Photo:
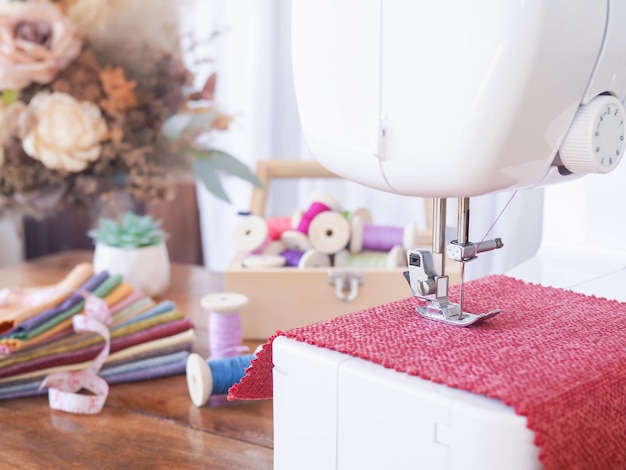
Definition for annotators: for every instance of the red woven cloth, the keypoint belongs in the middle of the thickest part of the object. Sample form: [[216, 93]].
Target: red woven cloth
[[556, 356]]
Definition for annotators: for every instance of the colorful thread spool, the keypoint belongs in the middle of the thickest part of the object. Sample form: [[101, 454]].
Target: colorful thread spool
[[224, 323], [274, 248], [313, 211], [277, 225], [329, 232], [395, 258], [251, 235], [325, 198], [263, 261], [295, 240], [309, 259], [380, 238], [362, 212], [292, 257], [215, 376]]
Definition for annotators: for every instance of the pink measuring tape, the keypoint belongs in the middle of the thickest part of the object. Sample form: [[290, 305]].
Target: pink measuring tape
[[63, 386]]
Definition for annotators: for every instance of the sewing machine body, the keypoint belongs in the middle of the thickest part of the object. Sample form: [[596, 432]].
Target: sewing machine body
[[442, 99], [450, 98], [335, 411]]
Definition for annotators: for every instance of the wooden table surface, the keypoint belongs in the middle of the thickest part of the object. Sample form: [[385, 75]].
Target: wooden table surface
[[151, 424]]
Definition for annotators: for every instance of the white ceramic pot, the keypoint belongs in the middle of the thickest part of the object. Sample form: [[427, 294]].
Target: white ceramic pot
[[146, 268]]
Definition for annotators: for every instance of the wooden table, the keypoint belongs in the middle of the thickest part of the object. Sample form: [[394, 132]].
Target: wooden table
[[150, 424]]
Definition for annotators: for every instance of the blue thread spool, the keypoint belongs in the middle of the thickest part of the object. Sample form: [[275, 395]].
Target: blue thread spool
[[215, 376]]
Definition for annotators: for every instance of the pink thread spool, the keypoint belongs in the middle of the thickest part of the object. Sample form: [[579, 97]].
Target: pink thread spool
[[224, 323], [313, 211], [329, 232], [318, 202], [277, 225], [379, 237]]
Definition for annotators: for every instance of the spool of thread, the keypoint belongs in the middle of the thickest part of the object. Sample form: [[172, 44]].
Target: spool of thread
[[313, 211], [251, 234], [380, 238], [215, 376], [395, 258], [325, 198], [274, 248], [277, 225], [292, 257], [224, 323], [295, 240], [314, 259], [263, 261], [362, 212], [329, 232]]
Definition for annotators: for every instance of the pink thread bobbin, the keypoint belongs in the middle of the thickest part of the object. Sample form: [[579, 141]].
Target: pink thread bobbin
[[370, 237], [224, 323], [319, 202], [277, 225]]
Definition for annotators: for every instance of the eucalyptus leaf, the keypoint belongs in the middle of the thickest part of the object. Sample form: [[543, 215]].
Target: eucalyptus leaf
[[228, 164], [175, 125], [205, 170]]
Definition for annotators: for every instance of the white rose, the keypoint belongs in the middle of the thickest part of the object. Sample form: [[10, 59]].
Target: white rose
[[67, 133]]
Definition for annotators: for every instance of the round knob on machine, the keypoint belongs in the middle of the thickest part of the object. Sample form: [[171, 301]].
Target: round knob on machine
[[595, 140]]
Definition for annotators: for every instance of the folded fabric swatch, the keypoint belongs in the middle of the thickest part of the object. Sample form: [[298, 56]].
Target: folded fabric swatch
[[557, 357], [152, 368], [12, 315], [89, 348], [166, 345], [111, 290], [19, 331]]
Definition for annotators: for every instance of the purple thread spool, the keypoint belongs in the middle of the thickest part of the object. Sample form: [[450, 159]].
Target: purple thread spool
[[380, 238], [292, 257], [315, 209], [224, 325]]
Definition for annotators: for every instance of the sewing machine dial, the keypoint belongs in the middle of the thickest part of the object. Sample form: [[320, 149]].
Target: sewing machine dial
[[595, 141]]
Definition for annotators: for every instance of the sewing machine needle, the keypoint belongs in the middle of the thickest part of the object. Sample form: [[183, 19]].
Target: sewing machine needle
[[461, 290]]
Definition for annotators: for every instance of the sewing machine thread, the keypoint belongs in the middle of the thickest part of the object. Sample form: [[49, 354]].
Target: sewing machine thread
[[228, 371], [292, 257], [314, 209], [224, 324], [277, 225], [214, 376]]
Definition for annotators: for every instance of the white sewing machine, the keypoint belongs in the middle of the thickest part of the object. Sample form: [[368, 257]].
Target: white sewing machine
[[444, 99]]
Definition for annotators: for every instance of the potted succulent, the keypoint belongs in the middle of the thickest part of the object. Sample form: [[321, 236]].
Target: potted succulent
[[135, 249]]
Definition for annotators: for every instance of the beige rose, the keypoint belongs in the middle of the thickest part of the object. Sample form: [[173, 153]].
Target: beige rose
[[36, 42], [67, 133]]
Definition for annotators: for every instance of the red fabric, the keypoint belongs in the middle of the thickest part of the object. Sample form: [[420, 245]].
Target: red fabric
[[555, 356]]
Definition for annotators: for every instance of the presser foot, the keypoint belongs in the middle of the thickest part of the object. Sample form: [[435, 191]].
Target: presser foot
[[450, 313]]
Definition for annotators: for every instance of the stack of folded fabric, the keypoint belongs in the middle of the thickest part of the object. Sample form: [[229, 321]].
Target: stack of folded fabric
[[148, 339]]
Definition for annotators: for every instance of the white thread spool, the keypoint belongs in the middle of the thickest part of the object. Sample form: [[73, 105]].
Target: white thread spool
[[251, 234], [263, 261], [224, 323], [326, 199], [362, 212], [329, 232], [314, 259], [275, 248], [295, 240]]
